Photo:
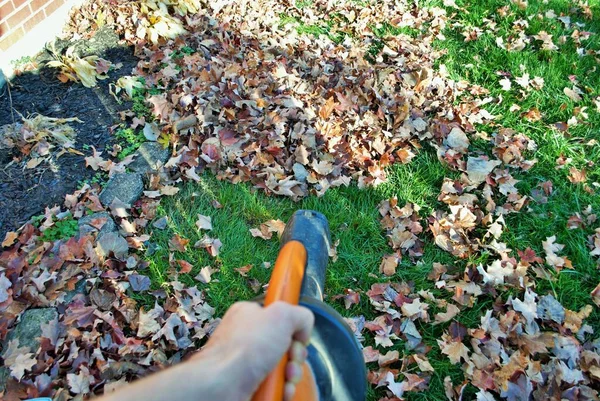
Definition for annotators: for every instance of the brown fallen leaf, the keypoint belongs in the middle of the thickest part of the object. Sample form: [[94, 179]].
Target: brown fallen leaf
[[388, 265], [266, 230], [204, 222], [22, 363], [572, 94], [212, 245], [243, 271], [389, 358], [451, 311], [205, 275], [350, 298], [577, 176], [178, 243], [455, 350], [185, 267], [9, 239], [596, 295], [370, 354]]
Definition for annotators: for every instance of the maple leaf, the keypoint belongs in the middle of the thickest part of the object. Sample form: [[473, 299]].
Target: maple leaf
[[505, 84], [169, 190], [350, 298], [415, 310], [112, 243], [212, 245], [204, 222], [396, 388], [451, 311], [9, 239], [423, 363], [22, 363], [266, 230], [528, 308], [528, 256], [497, 272], [243, 271], [546, 38], [178, 243], [455, 350], [388, 265], [161, 106], [523, 81], [151, 132], [185, 267], [478, 168], [204, 275], [388, 358], [327, 108], [370, 354], [79, 383], [577, 176], [139, 282], [148, 322], [573, 94]]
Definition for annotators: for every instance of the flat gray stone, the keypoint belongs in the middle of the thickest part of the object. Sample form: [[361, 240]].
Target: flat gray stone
[[29, 329], [149, 157], [108, 227], [128, 187]]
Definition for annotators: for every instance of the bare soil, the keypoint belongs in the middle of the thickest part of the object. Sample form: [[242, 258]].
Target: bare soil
[[27, 192]]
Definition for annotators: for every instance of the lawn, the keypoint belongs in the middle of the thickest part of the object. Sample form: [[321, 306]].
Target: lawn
[[398, 101], [352, 212]]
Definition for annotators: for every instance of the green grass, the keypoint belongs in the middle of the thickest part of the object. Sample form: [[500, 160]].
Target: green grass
[[531, 227], [353, 214], [353, 219]]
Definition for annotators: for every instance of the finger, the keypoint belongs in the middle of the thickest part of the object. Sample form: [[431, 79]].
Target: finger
[[289, 391], [298, 352], [297, 320], [293, 372]]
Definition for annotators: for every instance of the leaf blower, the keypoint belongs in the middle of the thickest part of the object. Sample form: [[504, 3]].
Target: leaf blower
[[335, 369]]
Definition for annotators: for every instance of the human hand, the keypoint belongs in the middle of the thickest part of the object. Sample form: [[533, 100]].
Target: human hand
[[256, 338]]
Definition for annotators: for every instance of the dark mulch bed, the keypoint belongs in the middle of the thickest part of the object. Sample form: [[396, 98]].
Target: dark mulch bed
[[26, 192]]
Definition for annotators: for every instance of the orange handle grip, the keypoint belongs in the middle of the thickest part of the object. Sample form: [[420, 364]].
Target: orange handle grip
[[285, 285]]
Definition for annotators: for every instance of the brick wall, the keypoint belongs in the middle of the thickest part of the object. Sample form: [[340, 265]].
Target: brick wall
[[17, 17]]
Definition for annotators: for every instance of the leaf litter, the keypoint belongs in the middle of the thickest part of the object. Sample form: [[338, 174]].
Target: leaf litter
[[295, 115]]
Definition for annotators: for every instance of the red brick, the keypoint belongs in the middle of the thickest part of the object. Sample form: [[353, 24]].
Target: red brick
[[34, 20], [4, 29], [5, 9], [18, 17], [9, 40], [53, 6], [19, 3], [38, 4]]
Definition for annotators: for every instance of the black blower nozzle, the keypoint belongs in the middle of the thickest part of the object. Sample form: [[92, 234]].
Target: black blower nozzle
[[312, 230]]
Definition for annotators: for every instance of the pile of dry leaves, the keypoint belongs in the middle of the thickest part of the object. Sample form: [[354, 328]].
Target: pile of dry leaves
[[295, 115]]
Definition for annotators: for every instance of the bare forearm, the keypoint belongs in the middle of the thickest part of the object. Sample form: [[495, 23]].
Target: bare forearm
[[199, 379]]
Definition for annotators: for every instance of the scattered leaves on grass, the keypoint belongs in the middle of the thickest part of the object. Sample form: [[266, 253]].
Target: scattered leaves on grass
[[204, 222], [266, 230]]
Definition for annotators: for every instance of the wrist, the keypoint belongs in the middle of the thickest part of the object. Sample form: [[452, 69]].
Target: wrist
[[226, 369]]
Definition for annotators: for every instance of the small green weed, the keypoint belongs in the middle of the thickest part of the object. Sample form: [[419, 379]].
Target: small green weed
[[129, 140], [62, 229], [100, 178]]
